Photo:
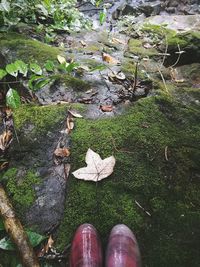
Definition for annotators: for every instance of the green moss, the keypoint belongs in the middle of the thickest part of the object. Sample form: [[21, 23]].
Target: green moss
[[43, 118], [22, 47], [73, 82], [156, 165], [186, 40], [135, 46], [20, 187], [157, 29]]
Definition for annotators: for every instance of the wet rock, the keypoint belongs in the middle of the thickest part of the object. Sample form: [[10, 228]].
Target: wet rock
[[47, 210], [180, 35], [38, 129]]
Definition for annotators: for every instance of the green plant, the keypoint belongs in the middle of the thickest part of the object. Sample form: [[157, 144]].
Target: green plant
[[36, 76], [49, 15]]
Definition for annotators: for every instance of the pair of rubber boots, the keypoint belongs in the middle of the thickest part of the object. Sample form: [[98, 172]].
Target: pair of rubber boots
[[122, 250]]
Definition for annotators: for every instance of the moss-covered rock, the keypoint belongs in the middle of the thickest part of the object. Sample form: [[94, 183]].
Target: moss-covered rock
[[157, 166], [20, 185], [39, 119], [178, 34], [135, 46], [17, 46]]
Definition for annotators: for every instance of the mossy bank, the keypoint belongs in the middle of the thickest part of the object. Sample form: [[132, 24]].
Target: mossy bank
[[157, 162], [17, 46]]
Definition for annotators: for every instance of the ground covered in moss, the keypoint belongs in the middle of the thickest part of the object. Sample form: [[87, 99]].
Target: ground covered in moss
[[17, 46], [156, 145]]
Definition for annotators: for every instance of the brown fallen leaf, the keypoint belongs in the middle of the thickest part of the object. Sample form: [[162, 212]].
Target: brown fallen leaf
[[70, 123], [106, 108], [119, 76], [118, 41], [5, 140], [49, 244], [75, 114], [109, 59], [83, 43], [4, 165], [86, 100], [46, 247], [62, 152]]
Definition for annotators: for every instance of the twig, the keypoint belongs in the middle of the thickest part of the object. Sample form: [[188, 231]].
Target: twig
[[166, 155], [166, 49], [163, 79], [179, 56], [138, 204], [119, 150], [11, 82], [135, 80]]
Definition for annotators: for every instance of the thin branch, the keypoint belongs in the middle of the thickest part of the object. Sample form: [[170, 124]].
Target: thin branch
[[179, 56], [140, 206], [163, 79], [135, 80]]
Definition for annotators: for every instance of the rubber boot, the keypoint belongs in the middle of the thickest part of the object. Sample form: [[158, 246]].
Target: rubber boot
[[122, 250], [86, 248]]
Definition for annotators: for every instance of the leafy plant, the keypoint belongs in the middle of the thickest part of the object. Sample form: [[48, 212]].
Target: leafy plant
[[102, 16], [34, 238], [55, 15], [36, 76], [13, 99]]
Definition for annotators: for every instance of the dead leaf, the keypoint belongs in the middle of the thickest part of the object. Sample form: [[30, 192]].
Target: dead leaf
[[4, 165], [83, 43], [106, 108], [147, 45], [49, 244], [118, 41], [119, 76], [109, 59], [5, 140], [46, 248], [75, 114], [61, 152], [61, 59], [86, 100], [70, 123], [97, 169]]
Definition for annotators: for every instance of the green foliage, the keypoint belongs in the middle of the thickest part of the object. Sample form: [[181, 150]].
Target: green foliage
[[102, 16], [13, 99], [3, 73], [34, 238], [36, 79], [35, 68], [48, 14]]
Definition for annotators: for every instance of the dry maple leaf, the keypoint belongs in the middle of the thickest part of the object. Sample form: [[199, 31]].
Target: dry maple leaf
[[97, 169], [62, 152], [106, 108], [109, 59]]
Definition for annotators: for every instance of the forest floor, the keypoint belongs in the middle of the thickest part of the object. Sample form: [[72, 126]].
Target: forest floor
[[134, 95]]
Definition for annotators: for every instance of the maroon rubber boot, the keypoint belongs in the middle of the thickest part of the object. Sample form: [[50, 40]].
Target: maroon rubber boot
[[86, 247], [122, 250]]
